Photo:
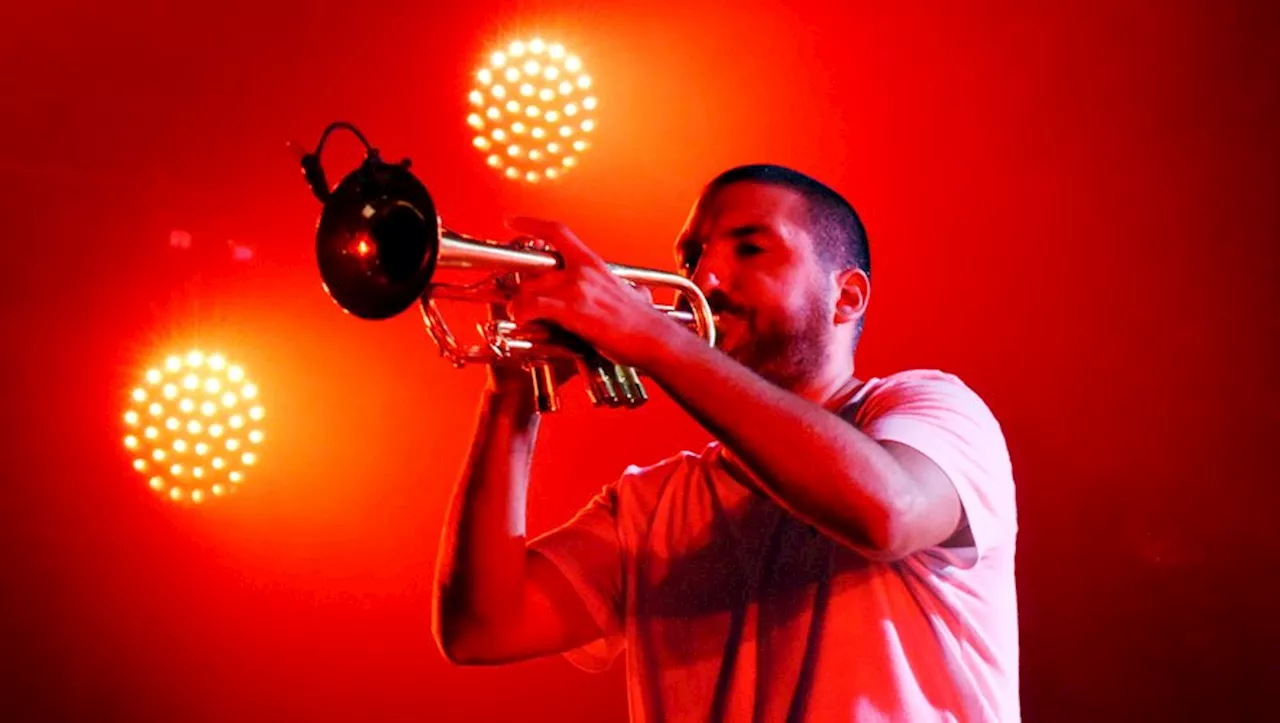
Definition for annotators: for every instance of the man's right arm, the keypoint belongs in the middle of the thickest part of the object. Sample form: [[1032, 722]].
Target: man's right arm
[[496, 601]]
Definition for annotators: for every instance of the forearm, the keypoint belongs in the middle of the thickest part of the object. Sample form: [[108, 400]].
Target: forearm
[[481, 570], [813, 463]]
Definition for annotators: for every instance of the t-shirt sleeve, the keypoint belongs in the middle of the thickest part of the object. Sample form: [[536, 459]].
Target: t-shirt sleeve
[[939, 416], [587, 551]]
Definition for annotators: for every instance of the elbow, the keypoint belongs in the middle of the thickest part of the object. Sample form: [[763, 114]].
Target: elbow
[[445, 631], [887, 534], [454, 634], [456, 642]]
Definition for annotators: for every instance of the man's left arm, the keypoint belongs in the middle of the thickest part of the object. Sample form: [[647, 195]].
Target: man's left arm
[[885, 499]]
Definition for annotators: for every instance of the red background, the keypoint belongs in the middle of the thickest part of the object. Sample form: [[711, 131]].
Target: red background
[[1072, 207]]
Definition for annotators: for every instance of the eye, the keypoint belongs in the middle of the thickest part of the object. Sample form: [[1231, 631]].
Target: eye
[[747, 249]]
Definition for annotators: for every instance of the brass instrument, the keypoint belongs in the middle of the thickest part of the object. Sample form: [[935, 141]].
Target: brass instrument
[[381, 247]]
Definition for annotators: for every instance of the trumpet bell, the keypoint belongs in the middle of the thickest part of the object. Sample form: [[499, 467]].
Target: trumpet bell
[[378, 240]]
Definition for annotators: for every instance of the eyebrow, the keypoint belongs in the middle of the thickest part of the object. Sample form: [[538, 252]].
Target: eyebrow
[[691, 242], [747, 230]]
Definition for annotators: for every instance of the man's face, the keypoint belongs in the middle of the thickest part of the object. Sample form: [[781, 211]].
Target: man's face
[[748, 247]]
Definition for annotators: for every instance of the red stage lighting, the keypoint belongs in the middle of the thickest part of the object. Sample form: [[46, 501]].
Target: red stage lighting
[[532, 109], [193, 426]]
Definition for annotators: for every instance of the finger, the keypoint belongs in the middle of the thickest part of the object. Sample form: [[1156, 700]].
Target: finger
[[545, 283], [568, 245], [643, 292], [525, 308]]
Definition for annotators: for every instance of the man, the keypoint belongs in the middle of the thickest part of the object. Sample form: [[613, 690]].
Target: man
[[844, 551]]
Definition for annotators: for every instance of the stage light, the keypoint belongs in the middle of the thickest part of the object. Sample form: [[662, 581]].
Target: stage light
[[180, 413], [546, 83]]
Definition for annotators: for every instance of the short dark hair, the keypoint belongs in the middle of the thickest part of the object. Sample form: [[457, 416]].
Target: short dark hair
[[838, 232]]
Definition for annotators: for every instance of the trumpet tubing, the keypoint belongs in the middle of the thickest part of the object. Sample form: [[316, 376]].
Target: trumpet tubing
[[381, 249]]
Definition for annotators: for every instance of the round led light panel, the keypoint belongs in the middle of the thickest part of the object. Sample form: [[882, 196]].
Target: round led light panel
[[532, 110], [194, 426]]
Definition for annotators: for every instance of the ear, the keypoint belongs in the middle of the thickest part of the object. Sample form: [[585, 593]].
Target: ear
[[853, 293]]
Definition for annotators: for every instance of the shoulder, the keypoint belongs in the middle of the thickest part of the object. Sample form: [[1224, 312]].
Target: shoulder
[[665, 467], [922, 392], [933, 408], [648, 481]]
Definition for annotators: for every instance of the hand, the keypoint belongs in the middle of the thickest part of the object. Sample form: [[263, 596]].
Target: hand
[[514, 377], [584, 298]]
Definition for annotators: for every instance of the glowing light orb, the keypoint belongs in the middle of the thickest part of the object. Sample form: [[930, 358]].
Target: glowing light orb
[[531, 110], [193, 426]]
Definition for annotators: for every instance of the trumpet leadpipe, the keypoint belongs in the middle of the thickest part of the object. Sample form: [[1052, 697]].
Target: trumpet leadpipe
[[460, 252]]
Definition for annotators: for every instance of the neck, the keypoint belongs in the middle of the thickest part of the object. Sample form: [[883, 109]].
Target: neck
[[832, 386]]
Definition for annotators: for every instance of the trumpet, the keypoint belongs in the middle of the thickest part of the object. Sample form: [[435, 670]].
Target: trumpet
[[381, 248]]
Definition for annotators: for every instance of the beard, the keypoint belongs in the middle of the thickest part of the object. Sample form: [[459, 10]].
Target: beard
[[785, 352]]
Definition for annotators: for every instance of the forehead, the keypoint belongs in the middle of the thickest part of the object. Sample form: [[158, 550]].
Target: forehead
[[722, 209]]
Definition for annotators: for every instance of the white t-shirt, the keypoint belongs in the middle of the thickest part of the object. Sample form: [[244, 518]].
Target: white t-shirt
[[729, 608]]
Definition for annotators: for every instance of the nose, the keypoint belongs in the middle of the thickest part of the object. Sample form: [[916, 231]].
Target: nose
[[711, 273], [705, 279]]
